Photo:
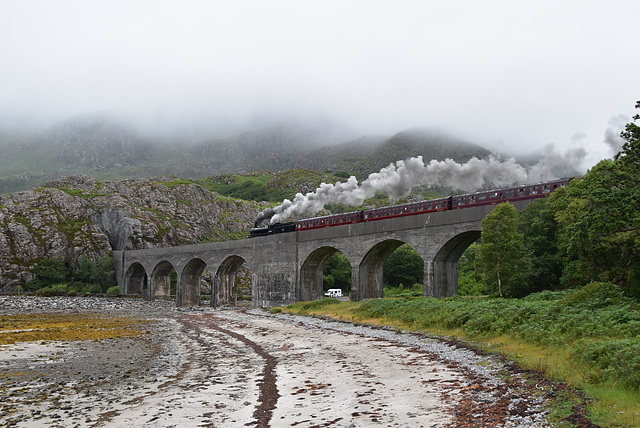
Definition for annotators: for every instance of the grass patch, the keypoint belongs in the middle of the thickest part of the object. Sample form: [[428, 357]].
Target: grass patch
[[313, 306], [587, 338]]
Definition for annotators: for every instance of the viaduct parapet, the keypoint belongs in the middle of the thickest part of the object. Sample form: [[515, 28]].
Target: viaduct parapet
[[287, 267]]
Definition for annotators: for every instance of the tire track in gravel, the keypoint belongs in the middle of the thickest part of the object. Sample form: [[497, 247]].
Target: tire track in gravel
[[268, 390]]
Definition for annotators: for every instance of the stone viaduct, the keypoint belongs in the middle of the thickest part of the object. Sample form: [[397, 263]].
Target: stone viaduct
[[287, 267]]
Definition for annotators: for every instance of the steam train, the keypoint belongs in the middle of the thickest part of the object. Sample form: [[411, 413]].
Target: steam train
[[449, 203]]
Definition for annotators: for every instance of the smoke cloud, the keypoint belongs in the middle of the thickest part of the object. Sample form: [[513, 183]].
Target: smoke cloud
[[397, 180], [553, 161], [612, 134]]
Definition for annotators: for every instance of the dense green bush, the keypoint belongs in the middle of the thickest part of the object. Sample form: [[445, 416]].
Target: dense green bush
[[469, 283], [52, 290], [610, 360], [48, 272], [88, 276], [403, 267], [337, 273], [417, 290], [113, 290], [96, 276]]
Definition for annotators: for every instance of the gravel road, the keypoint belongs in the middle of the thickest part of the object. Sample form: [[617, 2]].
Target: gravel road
[[237, 368]]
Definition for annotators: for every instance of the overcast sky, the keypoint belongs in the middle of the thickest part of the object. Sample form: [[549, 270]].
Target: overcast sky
[[513, 74]]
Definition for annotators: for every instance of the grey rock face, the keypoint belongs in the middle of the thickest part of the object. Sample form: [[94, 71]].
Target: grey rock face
[[79, 215]]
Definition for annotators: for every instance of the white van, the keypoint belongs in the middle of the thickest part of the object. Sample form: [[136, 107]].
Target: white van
[[333, 292]]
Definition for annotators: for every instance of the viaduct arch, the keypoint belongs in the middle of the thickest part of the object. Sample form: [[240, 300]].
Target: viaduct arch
[[287, 267]]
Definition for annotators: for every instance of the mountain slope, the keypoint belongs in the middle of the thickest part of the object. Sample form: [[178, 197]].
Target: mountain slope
[[105, 148]]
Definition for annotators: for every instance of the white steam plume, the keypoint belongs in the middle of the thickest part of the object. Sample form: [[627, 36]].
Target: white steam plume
[[612, 135], [553, 161], [397, 180]]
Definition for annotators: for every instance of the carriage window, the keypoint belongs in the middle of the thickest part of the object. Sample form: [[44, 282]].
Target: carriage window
[[509, 193], [520, 192], [377, 214], [493, 195], [438, 204], [546, 189], [348, 218], [482, 197], [534, 191], [472, 199], [461, 201]]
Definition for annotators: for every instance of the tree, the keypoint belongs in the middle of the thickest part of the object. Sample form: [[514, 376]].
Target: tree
[[48, 272], [404, 266], [469, 283], [501, 259], [97, 276], [629, 156], [539, 226], [337, 272]]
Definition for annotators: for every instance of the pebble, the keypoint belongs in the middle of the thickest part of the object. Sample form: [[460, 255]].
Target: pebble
[[14, 305]]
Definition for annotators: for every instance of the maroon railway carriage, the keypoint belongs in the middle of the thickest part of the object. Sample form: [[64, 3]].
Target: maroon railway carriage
[[422, 207], [511, 194], [329, 220]]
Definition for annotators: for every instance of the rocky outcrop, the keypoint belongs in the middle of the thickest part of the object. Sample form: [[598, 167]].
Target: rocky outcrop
[[80, 215]]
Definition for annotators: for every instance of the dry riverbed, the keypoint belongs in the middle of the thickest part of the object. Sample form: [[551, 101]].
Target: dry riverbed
[[237, 368]]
